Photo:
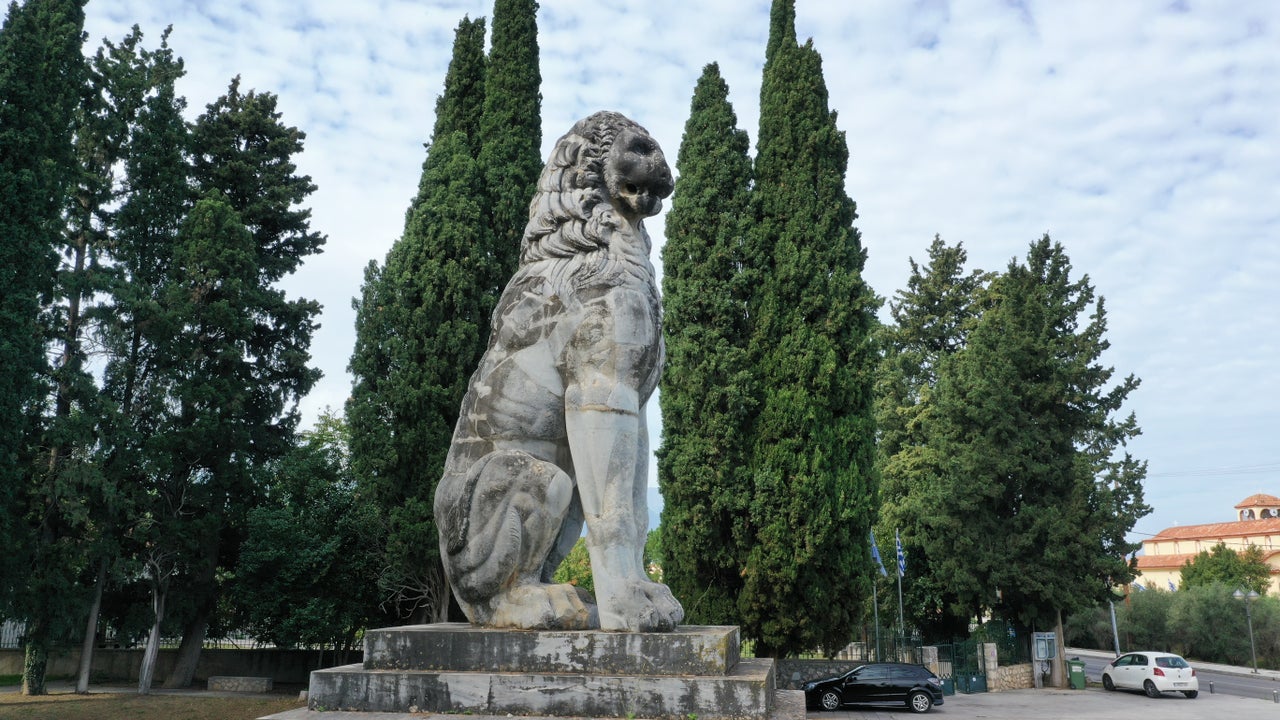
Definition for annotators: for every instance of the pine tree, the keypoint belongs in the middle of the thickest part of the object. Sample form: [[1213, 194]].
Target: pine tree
[[931, 319], [708, 392], [422, 323], [813, 456], [1034, 495], [511, 132]]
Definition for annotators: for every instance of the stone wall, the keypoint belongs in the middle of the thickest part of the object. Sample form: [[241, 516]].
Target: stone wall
[[1011, 677]]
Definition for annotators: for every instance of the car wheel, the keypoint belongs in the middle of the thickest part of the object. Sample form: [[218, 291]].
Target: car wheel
[[1191, 694], [830, 701], [1150, 687], [919, 702], [1107, 684]]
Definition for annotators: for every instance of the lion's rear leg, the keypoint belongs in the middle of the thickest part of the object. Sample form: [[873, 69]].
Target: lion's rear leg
[[518, 507]]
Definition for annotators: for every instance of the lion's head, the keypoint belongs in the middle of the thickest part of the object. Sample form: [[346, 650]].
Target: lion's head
[[605, 170]]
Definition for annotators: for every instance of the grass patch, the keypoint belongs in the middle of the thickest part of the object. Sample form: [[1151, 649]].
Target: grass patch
[[130, 706]]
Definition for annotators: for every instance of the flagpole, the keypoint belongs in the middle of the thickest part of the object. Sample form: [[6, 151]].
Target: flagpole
[[875, 588], [875, 603], [902, 626]]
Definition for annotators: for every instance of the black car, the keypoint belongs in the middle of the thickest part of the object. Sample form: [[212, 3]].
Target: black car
[[877, 684]]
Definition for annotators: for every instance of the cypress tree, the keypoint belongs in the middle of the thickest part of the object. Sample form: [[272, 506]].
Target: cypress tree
[[708, 391], [422, 323], [136, 387], [813, 456], [511, 132], [42, 74]]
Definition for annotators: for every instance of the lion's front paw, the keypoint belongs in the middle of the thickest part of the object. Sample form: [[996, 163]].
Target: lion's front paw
[[639, 606], [545, 607]]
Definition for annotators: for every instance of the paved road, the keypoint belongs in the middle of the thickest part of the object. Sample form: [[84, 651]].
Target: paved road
[[1091, 704], [1226, 679]]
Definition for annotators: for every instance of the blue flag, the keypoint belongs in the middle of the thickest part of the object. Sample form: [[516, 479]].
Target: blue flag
[[875, 554], [902, 555], [1171, 587], [1139, 586]]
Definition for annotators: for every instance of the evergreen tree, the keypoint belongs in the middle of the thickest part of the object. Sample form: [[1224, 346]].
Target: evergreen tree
[[137, 328], [422, 323], [293, 586], [708, 391], [1033, 495], [1246, 569], [42, 75], [511, 133], [931, 320], [242, 161], [813, 457]]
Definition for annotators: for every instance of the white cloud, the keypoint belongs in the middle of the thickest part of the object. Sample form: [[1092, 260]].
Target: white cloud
[[1140, 135]]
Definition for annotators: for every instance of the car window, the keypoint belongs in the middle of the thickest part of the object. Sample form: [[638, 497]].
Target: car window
[[1171, 662], [873, 673], [912, 673], [1123, 660], [1139, 660]]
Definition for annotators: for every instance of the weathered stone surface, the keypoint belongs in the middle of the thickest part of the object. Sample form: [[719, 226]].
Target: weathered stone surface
[[457, 668], [232, 683], [689, 650], [747, 691], [552, 431]]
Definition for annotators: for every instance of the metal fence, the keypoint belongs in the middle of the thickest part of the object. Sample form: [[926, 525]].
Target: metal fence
[[11, 633]]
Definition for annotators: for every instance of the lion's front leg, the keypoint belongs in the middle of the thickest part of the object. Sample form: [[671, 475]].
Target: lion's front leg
[[613, 363], [609, 442]]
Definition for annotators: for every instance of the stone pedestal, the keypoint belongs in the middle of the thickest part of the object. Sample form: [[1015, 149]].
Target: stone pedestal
[[458, 668]]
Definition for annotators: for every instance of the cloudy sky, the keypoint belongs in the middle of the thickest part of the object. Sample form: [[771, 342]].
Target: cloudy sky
[[1143, 135]]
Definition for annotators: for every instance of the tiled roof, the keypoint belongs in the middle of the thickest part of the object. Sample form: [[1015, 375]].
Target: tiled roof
[[1222, 530], [1147, 563], [1162, 562], [1259, 500]]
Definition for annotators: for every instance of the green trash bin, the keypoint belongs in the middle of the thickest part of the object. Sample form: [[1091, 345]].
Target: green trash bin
[[1075, 677]]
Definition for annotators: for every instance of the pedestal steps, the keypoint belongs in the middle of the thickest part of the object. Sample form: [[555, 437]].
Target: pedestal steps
[[693, 672]]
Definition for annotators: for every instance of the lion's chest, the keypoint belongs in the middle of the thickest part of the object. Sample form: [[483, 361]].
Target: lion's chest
[[577, 320]]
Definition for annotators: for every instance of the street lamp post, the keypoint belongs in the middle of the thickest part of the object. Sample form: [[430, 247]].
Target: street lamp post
[[1248, 599]]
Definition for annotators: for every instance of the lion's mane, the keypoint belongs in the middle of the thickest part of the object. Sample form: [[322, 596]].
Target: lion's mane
[[570, 213]]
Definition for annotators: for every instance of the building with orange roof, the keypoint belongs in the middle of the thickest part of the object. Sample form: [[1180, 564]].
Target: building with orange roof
[[1257, 523]]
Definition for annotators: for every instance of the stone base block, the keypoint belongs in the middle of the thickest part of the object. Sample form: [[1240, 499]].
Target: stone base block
[[458, 668], [746, 691], [232, 683], [692, 650]]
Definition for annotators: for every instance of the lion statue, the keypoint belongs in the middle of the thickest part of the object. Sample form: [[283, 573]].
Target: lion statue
[[551, 432]]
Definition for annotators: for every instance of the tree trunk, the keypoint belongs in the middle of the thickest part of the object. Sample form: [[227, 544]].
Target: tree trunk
[[36, 659], [147, 672], [184, 667], [206, 590], [91, 629], [1059, 678]]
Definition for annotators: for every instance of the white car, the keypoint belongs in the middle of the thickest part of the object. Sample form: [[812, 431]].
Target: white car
[[1151, 672]]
